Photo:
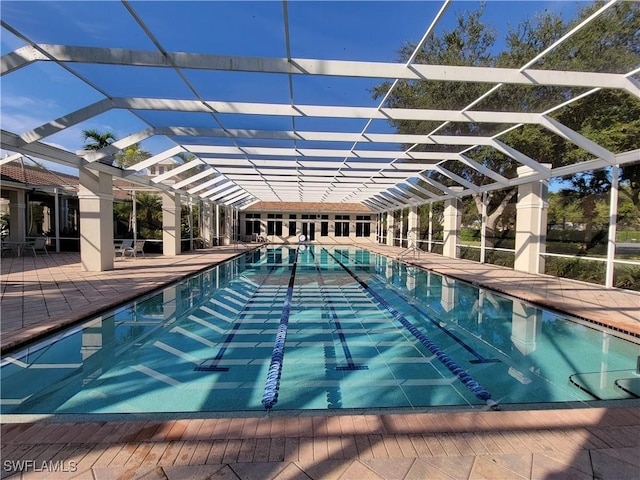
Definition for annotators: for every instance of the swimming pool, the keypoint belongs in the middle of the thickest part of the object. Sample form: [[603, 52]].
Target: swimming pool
[[311, 327]]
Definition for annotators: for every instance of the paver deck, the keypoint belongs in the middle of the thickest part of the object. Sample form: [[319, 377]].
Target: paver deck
[[40, 294]]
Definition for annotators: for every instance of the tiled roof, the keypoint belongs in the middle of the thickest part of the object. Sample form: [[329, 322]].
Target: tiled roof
[[41, 177], [29, 175], [307, 207]]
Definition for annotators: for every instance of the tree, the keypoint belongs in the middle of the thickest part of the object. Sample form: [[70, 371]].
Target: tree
[[94, 140], [131, 155], [149, 207], [610, 118]]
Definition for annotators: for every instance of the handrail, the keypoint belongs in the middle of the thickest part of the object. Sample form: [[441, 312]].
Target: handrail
[[408, 251]]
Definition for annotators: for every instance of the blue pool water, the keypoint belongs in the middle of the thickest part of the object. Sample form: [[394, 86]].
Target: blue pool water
[[312, 327]]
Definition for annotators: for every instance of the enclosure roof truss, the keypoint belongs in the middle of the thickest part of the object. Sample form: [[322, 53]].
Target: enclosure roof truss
[[241, 166]]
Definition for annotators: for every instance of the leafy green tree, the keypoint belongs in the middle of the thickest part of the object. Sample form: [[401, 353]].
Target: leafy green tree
[[610, 118]]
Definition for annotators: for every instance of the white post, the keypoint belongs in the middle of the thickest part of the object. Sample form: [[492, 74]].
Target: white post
[[217, 224], [390, 228], [531, 223], [613, 220], [190, 225], [401, 226], [430, 234], [95, 196], [171, 241], [452, 219], [483, 228], [56, 209], [414, 224], [17, 216], [134, 213]]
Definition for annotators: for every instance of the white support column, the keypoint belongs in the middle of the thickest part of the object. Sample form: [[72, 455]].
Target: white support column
[[218, 241], [414, 226], [390, 228], [134, 215], [430, 232], [191, 225], [483, 228], [17, 216], [452, 219], [227, 226], [171, 224], [96, 220], [531, 223], [206, 231], [56, 214], [613, 220]]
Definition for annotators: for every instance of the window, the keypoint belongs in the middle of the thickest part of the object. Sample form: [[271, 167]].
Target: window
[[342, 227], [292, 225], [274, 227], [252, 224], [324, 229], [363, 225]]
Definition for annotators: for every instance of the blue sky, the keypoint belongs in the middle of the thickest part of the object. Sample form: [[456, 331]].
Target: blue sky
[[361, 30]]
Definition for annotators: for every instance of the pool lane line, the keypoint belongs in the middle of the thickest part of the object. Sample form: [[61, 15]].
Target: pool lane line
[[478, 390], [351, 365], [211, 364], [272, 384], [479, 357]]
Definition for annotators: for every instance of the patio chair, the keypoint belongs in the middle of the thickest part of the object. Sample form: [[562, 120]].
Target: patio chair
[[8, 248], [38, 245], [125, 247], [139, 248]]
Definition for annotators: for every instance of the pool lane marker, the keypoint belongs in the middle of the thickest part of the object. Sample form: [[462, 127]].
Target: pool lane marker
[[478, 390], [270, 394], [479, 358], [211, 365], [351, 365]]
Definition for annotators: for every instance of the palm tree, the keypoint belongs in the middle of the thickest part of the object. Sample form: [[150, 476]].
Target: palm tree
[[150, 209], [131, 155], [94, 140]]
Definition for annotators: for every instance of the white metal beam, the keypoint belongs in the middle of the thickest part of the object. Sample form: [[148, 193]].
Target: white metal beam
[[303, 66], [173, 151]]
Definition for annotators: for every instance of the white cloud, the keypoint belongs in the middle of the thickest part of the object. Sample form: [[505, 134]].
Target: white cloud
[[20, 122], [17, 101]]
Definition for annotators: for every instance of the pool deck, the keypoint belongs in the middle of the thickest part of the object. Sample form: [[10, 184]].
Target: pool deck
[[41, 293]]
